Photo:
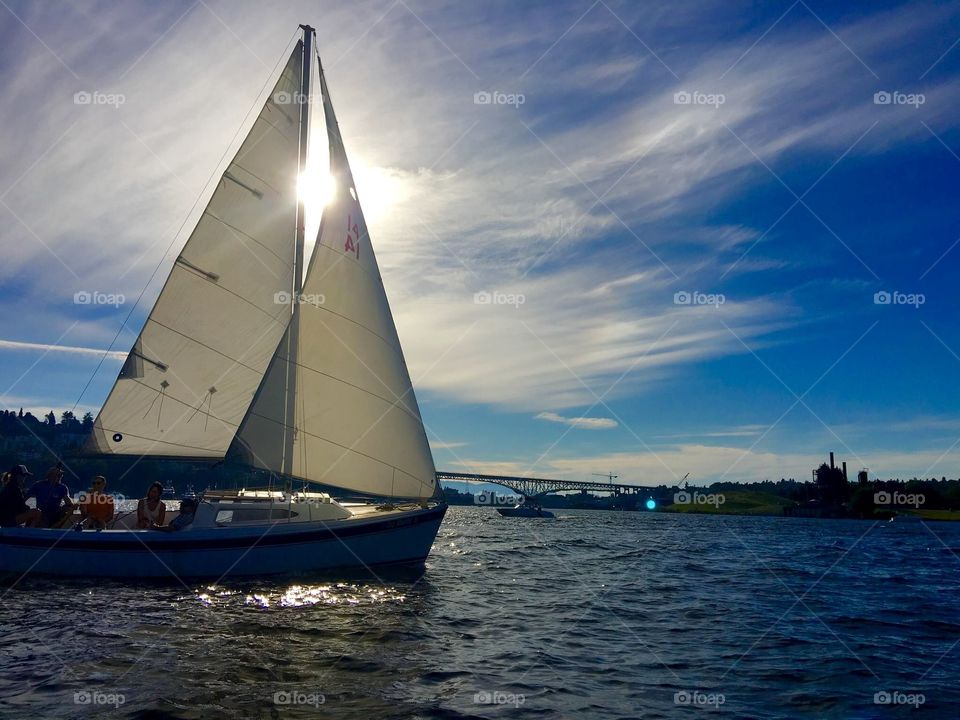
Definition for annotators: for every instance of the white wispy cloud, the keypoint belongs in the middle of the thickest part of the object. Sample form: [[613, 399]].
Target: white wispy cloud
[[739, 431], [69, 349], [586, 423], [440, 445]]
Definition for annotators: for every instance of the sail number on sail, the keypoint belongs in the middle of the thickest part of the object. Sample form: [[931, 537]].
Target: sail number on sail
[[352, 243]]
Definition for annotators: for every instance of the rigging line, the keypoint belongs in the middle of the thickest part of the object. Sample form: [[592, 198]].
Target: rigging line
[[200, 404], [206, 419], [187, 217]]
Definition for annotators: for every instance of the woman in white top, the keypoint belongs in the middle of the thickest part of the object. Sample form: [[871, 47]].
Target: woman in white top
[[151, 510]]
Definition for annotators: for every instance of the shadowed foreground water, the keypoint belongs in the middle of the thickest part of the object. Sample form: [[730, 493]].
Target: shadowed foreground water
[[606, 615]]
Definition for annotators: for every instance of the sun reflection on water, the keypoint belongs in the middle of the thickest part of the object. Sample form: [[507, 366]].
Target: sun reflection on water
[[293, 596]]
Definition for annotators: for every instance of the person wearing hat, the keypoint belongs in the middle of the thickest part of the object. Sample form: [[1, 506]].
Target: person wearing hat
[[13, 508], [53, 499]]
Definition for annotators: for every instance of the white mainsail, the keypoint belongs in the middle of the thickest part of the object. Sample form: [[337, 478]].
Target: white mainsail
[[355, 420], [193, 371]]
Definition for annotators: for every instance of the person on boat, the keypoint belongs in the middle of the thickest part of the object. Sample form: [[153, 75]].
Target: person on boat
[[151, 510], [96, 507], [53, 499], [13, 508], [188, 509]]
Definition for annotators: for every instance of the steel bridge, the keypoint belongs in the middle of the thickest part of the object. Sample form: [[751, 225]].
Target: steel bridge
[[531, 487]]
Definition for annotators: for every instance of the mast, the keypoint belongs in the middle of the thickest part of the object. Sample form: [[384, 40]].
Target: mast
[[293, 336]]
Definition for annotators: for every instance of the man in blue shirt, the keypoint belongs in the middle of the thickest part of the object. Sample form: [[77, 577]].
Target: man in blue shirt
[[53, 499]]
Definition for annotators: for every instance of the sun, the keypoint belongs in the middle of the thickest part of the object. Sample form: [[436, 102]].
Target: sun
[[316, 188]]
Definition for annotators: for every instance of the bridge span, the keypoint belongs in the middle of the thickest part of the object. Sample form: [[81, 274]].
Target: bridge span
[[531, 486]]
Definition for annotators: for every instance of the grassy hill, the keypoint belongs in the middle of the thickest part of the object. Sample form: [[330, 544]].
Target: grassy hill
[[933, 514], [736, 502]]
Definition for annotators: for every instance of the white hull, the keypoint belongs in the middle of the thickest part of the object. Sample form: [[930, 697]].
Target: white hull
[[277, 549]]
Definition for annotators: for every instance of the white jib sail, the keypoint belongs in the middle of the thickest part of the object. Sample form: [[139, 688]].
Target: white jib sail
[[357, 425], [202, 353]]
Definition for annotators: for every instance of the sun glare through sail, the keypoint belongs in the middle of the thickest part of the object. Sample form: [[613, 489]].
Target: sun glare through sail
[[316, 187]]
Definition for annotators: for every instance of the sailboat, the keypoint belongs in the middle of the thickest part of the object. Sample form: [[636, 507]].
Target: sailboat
[[245, 357]]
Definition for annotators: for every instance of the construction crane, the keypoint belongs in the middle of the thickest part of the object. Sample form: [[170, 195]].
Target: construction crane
[[609, 476]]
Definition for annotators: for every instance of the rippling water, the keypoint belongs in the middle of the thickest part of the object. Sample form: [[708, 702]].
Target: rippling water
[[606, 615]]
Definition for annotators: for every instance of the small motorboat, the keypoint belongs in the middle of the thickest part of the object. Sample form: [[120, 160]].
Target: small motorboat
[[526, 509]]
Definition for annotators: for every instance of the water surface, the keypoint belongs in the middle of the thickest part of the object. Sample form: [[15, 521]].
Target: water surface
[[594, 614]]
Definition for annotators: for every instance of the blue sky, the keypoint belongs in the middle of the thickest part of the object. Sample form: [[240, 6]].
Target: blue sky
[[586, 204]]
